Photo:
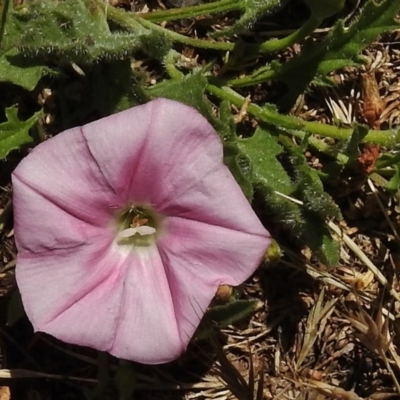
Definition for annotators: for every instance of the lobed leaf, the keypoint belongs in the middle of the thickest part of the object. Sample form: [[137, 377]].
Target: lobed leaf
[[19, 70], [71, 31], [232, 312], [269, 177], [189, 90], [15, 133], [253, 10], [341, 48]]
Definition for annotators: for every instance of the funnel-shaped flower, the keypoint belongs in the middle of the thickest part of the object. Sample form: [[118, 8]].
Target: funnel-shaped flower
[[126, 227]]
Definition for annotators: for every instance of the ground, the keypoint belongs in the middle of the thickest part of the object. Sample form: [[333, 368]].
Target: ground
[[318, 332]]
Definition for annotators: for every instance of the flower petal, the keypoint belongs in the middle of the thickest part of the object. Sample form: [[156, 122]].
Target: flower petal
[[217, 200], [147, 330], [171, 144], [40, 225], [64, 172], [103, 297], [162, 141], [199, 257], [141, 303], [73, 294]]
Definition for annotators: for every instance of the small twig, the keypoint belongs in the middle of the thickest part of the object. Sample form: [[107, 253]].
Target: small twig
[[10, 265], [367, 262], [24, 373], [352, 245], [5, 215], [375, 192]]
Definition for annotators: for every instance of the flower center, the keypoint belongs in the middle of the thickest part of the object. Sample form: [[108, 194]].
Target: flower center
[[137, 226]]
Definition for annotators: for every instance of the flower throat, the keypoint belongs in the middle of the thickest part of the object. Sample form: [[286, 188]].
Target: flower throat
[[137, 226]]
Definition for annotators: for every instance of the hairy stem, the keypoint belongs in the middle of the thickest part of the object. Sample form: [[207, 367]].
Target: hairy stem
[[176, 37], [271, 116], [220, 6], [133, 22], [4, 13], [274, 45]]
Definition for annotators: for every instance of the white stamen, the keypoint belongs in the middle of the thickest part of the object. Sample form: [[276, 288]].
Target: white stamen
[[141, 230]]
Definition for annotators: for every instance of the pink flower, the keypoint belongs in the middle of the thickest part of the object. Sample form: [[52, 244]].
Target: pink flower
[[126, 227]]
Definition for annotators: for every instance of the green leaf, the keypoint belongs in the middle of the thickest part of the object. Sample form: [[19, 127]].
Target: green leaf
[[237, 163], [341, 48], [394, 183], [224, 315], [351, 149], [230, 313], [275, 177], [269, 177], [71, 31], [226, 127], [254, 10], [15, 133], [318, 206], [15, 68], [262, 149], [19, 70], [189, 90], [240, 168], [309, 188], [319, 239]]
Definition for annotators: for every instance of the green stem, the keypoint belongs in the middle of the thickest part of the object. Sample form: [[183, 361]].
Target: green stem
[[169, 63], [176, 37], [257, 77], [306, 29], [133, 22], [271, 116], [321, 146], [220, 6], [148, 21], [4, 13], [121, 18]]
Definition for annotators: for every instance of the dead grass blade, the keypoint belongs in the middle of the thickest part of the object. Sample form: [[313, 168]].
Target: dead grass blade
[[333, 392], [234, 380], [24, 373], [318, 315], [367, 262], [375, 335]]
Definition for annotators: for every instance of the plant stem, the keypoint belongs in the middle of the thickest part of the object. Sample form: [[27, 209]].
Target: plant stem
[[148, 21], [271, 116], [260, 76], [176, 37], [169, 63], [4, 13], [274, 45], [5, 215], [133, 22], [193, 11], [321, 146]]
